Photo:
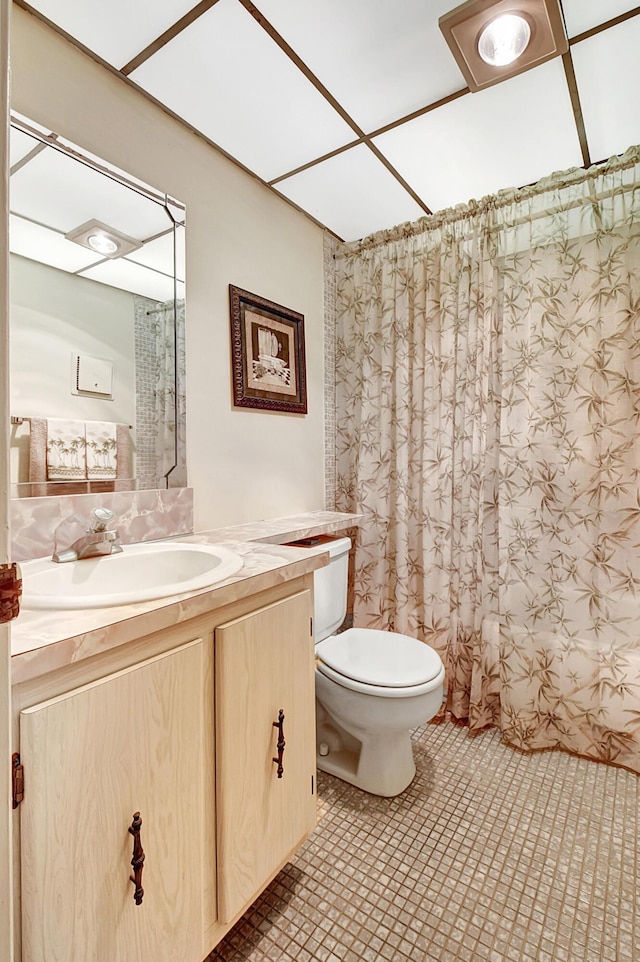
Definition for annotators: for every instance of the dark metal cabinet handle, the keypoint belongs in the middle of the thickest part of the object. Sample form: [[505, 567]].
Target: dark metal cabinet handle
[[137, 861], [281, 742]]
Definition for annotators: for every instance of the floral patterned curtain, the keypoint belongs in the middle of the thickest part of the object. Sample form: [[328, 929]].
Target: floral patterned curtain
[[488, 396]]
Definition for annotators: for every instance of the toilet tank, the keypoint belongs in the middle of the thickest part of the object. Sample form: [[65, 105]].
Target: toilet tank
[[330, 589]]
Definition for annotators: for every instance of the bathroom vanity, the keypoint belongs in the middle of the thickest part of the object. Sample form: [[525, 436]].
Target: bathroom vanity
[[168, 757]]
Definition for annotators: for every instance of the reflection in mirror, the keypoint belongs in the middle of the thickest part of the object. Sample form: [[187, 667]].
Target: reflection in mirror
[[96, 323]]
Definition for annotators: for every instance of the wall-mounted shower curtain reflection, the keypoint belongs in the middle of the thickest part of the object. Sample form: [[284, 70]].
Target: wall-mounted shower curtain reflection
[[488, 393], [160, 393], [170, 393]]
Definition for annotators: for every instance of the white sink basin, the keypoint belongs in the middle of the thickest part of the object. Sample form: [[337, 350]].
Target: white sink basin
[[141, 572]]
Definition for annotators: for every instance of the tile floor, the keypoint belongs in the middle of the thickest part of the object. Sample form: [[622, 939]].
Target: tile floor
[[489, 855]]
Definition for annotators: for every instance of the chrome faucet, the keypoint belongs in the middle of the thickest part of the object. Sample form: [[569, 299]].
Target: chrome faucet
[[98, 540]]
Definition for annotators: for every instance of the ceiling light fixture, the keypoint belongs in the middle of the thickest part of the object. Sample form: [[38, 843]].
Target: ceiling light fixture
[[102, 244], [504, 39], [496, 39], [103, 239]]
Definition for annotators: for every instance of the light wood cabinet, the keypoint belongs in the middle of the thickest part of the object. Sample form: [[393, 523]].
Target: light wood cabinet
[[262, 818], [179, 727], [128, 743]]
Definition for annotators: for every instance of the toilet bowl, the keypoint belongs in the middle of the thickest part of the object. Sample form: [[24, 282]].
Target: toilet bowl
[[372, 688]]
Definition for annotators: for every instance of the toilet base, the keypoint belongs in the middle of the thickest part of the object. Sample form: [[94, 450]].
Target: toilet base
[[382, 765]]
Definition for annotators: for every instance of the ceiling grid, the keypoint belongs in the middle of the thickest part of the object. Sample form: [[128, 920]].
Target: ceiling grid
[[357, 113]]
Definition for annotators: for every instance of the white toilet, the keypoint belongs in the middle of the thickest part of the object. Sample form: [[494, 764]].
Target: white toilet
[[372, 688]]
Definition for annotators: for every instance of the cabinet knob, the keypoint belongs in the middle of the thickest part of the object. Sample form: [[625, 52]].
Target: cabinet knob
[[281, 743], [137, 861]]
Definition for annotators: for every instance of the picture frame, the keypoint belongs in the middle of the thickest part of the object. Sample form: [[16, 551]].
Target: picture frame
[[267, 354]]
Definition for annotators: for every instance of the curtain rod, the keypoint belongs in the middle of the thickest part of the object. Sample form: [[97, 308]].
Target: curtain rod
[[509, 197]]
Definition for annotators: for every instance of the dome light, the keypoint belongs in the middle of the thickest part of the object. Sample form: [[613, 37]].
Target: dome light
[[504, 40]]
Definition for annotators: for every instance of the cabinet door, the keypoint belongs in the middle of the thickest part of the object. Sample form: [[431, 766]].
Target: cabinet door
[[263, 663], [128, 743]]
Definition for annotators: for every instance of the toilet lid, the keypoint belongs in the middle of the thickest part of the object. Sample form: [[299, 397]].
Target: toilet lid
[[381, 658]]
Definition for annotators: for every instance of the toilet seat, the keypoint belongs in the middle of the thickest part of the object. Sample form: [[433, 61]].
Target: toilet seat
[[380, 662]]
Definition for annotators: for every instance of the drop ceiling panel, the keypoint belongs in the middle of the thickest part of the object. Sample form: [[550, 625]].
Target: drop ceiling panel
[[20, 144], [352, 193], [128, 276], [506, 136], [158, 254], [607, 69], [63, 193], [581, 15], [380, 60], [226, 77], [117, 30], [40, 244]]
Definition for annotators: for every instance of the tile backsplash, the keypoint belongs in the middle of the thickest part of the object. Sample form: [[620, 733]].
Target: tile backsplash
[[139, 516]]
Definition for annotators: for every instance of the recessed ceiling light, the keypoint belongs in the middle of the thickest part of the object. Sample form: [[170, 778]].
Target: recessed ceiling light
[[496, 39], [102, 244], [103, 239]]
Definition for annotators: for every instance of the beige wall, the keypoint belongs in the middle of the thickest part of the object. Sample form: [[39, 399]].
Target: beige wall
[[242, 464], [55, 315]]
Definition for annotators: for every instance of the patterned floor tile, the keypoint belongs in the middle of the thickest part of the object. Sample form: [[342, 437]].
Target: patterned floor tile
[[489, 855]]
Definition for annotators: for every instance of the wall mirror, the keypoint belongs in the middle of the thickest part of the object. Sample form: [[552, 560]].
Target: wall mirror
[[96, 323]]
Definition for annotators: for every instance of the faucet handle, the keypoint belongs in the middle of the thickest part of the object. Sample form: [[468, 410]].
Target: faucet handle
[[101, 518]]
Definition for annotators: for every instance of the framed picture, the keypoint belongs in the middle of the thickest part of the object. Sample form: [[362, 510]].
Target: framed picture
[[267, 354]]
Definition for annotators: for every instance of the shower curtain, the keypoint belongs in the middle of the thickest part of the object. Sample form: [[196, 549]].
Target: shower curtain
[[488, 409]]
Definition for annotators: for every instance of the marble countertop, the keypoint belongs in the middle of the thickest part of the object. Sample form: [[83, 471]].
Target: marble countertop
[[291, 528], [43, 641]]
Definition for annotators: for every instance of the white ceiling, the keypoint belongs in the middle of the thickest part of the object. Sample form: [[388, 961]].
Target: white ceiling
[[366, 98]]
